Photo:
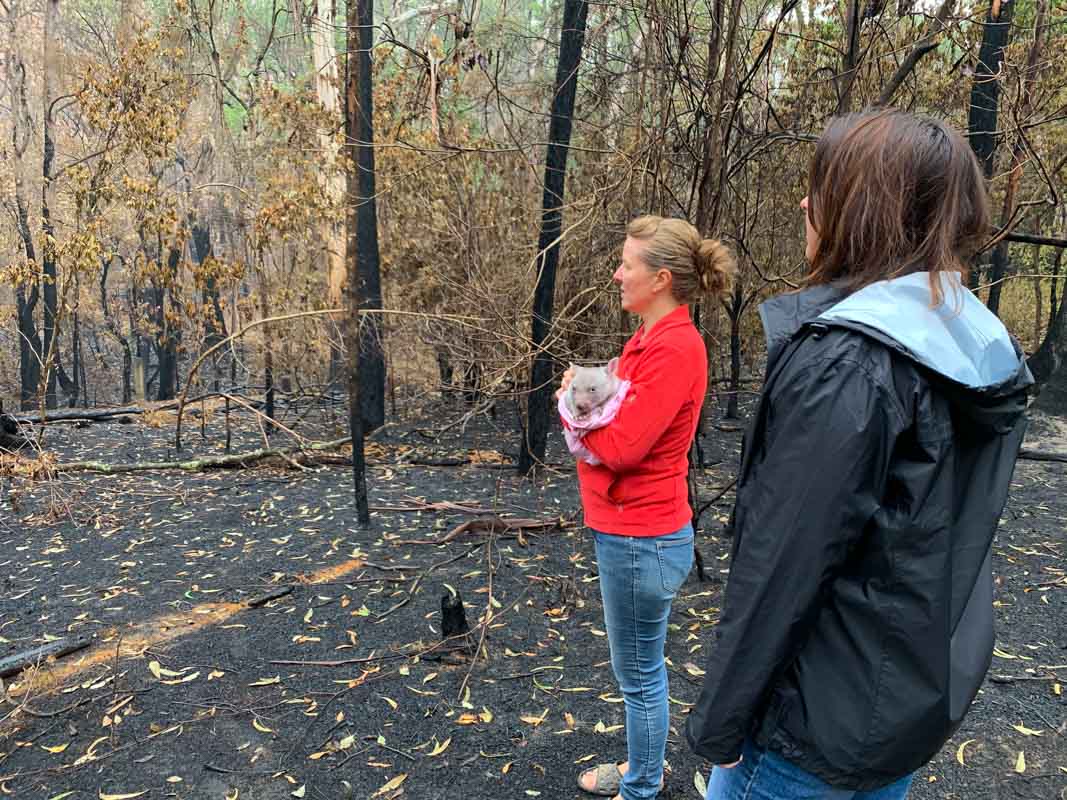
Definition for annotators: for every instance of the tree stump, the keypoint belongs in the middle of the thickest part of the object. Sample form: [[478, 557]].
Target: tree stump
[[453, 618], [11, 435]]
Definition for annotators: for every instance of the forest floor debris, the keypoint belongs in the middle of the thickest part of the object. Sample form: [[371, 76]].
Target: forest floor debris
[[250, 642]]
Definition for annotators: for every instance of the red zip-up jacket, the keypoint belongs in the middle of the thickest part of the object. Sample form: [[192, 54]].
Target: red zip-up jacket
[[640, 489]]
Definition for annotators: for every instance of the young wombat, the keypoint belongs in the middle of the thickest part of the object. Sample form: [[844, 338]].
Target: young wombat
[[591, 387]]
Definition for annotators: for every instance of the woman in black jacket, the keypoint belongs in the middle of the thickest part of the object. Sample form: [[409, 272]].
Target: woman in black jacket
[[857, 625]]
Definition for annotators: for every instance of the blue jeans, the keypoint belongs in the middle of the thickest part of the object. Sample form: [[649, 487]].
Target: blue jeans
[[764, 775], [639, 577]]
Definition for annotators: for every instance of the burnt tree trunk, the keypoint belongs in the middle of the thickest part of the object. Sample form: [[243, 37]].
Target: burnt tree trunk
[[167, 337], [26, 304], [50, 274], [113, 329], [572, 36], [268, 350], [985, 95], [1048, 360], [361, 114], [76, 365], [850, 61], [1018, 159], [734, 309], [361, 234], [216, 320]]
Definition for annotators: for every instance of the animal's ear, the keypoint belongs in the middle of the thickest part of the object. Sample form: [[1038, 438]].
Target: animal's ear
[[613, 367]]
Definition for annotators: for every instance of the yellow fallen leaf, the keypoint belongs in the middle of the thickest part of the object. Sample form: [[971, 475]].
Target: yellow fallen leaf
[[693, 669], [303, 787], [568, 717], [1027, 731], [506, 768], [259, 726], [1020, 762], [122, 796], [174, 779], [440, 748], [61, 796], [317, 756], [1001, 654], [391, 784], [59, 748], [215, 673], [392, 703], [467, 719], [192, 676], [267, 681], [583, 759], [159, 672], [485, 715], [699, 783], [347, 742], [960, 749], [233, 796]]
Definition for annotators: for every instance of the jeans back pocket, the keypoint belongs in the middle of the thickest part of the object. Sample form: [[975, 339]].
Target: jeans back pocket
[[675, 551]]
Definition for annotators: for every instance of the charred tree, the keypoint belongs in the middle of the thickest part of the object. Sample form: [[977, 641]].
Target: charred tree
[[113, 329], [985, 95], [359, 111], [49, 267], [361, 235], [572, 36], [168, 336]]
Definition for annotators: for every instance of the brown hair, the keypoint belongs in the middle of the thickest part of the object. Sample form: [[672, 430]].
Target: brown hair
[[699, 266], [891, 193]]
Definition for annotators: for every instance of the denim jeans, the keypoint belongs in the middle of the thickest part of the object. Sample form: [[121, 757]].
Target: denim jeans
[[764, 775], [639, 577]]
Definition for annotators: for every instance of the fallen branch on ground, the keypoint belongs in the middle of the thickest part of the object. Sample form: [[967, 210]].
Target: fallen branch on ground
[[303, 454], [414, 504], [493, 525], [1042, 455], [56, 649]]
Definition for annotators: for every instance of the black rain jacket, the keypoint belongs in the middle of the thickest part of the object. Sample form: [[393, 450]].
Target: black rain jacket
[[857, 624]]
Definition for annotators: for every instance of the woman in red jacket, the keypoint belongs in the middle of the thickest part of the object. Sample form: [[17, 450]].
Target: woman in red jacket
[[636, 498]]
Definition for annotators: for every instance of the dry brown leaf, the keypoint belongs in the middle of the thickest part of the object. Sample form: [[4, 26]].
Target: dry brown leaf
[[535, 721]]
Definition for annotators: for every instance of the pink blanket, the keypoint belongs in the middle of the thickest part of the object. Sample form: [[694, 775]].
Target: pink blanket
[[574, 428]]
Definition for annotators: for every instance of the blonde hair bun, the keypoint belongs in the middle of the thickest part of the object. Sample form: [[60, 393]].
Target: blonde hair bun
[[717, 266]]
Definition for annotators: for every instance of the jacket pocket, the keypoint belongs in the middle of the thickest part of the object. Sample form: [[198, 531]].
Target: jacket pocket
[[675, 552]]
